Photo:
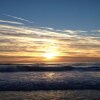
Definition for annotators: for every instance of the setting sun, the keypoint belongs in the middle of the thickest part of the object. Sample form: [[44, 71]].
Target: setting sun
[[49, 55]]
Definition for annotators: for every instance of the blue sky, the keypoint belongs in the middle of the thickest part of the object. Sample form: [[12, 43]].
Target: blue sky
[[68, 30], [58, 14]]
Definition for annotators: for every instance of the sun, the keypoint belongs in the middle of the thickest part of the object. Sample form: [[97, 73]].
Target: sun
[[50, 55]]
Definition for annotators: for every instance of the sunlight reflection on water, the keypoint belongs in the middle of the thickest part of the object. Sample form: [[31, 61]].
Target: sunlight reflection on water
[[50, 80], [51, 95], [49, 75]]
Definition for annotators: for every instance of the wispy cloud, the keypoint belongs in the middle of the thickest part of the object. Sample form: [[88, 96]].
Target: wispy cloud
[[95, 30], [11, 22], [32, 42], [19, 18]]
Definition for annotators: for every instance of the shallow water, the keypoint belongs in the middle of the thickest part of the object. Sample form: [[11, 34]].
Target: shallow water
[[51, 95]]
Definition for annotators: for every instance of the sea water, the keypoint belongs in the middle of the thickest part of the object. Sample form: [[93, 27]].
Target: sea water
[[50, 85]]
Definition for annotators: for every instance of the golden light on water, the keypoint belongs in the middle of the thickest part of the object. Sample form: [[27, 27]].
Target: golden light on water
[[50, 75]]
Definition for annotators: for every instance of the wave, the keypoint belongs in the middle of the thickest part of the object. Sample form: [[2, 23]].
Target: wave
[[25, 78], [38, 67]]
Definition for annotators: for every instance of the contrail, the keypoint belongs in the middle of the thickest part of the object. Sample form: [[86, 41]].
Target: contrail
[[22, 19], [12, 22]]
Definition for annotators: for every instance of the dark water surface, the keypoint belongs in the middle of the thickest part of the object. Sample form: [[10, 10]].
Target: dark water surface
[[70, 84], [50, 80]]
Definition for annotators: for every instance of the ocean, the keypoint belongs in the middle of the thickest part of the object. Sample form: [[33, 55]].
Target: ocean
[[44, 82]]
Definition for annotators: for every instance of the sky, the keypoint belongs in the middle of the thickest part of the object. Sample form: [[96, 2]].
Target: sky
[[69, 30]]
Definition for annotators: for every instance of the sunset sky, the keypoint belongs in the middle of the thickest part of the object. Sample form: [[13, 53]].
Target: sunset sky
[[38, 31]]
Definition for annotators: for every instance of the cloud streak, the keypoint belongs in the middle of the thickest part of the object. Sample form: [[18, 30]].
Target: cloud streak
[[18, 18], [22, 41], [10, 22]]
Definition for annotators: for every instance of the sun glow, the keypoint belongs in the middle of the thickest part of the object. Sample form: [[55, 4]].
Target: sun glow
[[50, 55]]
